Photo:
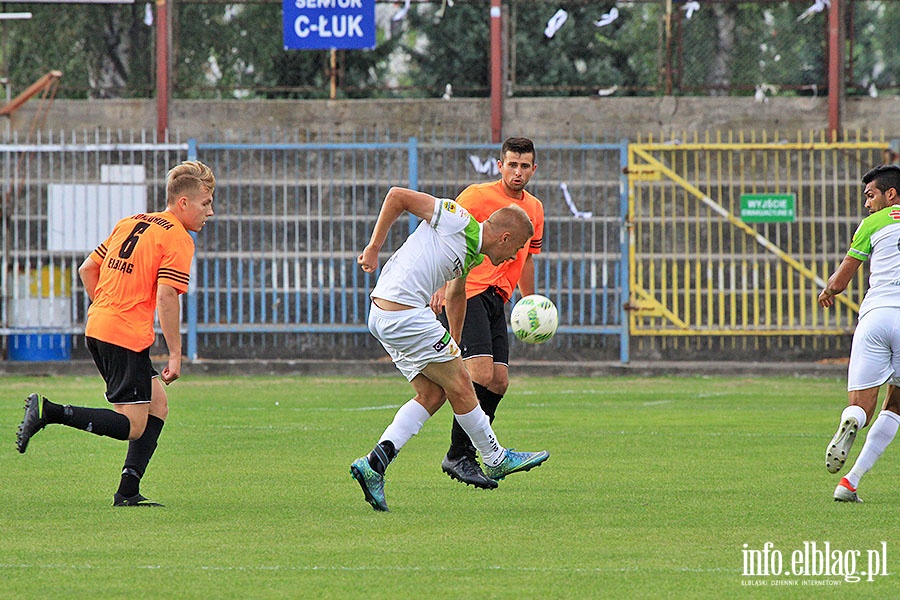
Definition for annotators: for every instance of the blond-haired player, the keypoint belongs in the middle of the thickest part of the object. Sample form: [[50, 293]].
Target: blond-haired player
[[141, 268]]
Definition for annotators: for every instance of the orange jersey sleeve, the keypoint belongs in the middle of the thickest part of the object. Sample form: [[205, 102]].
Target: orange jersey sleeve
[[481, 200], [141, 252]]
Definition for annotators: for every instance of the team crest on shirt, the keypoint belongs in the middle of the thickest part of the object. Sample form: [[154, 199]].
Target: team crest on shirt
[[447, 342], [453, 208]]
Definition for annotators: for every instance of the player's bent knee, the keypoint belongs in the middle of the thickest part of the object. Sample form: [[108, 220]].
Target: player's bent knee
[[463, 404], [460, 385], [136, 431], [431, 401], [137, 418], [482, 377], [462, 397]]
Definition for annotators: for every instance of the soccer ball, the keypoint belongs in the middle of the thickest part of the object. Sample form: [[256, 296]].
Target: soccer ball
[[534, 319]]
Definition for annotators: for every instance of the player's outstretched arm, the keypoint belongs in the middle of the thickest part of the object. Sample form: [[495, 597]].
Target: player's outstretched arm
[[397, 201], [456, 306], [839, 280]]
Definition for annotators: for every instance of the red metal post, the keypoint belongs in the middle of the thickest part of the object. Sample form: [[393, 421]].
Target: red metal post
[[162, 69], [496, 73], [835, 71]]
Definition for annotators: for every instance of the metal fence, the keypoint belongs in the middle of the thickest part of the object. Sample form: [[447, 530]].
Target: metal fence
[[233, 49], [651, 248], [276, 273], [734, 237]]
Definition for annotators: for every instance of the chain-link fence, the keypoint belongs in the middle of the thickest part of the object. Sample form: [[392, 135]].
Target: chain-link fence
[[234, 49]]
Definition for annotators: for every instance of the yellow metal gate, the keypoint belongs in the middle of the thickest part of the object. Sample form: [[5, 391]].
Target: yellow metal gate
[[735, 237]]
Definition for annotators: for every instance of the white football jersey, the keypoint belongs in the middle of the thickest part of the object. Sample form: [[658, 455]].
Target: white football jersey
[[877, 240], [444, 248]]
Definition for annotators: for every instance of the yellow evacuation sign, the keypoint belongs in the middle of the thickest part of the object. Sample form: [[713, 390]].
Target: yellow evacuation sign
[[768, 208]]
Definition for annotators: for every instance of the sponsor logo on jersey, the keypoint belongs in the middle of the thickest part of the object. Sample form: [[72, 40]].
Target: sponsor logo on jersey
[[453, 208], [120, 265], [446, 340], [895, 214]]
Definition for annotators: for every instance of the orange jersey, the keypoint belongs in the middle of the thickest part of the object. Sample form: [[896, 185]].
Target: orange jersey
[[141, 252], [481, 200]]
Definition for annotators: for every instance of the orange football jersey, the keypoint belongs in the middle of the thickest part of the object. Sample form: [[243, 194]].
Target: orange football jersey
[[481, 200], [142, 251]]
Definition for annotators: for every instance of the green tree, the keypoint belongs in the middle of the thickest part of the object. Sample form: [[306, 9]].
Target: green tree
[[451, 50], [875, 56], [223, 50], [102, 51], [237, 51], [580, 58]]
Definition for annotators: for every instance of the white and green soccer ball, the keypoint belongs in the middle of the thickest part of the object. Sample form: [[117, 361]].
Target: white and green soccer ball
[[534, 319]]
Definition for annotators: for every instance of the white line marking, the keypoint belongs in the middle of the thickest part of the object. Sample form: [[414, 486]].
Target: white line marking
[[362, 568]]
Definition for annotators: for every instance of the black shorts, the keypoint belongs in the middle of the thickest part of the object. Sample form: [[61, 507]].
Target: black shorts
[[128, 374], [484, 329]]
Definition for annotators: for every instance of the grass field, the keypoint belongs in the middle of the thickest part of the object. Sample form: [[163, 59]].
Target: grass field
[[652, 490]]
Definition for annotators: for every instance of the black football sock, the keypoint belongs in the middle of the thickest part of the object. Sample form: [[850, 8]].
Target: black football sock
[[53, 413], [99, 421], [139, 453], [130, 484], [460, 445], [488, 400], [381, 456]]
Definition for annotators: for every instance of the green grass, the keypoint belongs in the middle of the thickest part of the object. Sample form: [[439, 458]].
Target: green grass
[[651, 491]]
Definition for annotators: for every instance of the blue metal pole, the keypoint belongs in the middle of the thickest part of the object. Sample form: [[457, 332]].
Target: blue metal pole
[[192, 285], [624, 232]]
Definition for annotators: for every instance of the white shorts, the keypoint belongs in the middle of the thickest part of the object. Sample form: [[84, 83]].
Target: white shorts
[[875, 353], [414, 338]]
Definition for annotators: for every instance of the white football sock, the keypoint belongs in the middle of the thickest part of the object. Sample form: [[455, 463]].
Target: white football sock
[[477, 425], [407, 422], [854, 411], [880, 436]]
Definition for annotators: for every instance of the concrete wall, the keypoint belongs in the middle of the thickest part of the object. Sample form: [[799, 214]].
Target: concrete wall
[[543, 119]]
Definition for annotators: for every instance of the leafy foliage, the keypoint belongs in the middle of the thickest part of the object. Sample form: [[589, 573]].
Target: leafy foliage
[[582, 57], [756, 44], [875, 56], [245, 53], [102, 51], [223, 50], [454, 49]]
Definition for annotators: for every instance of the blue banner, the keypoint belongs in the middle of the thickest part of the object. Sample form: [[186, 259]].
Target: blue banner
[[327, 24]]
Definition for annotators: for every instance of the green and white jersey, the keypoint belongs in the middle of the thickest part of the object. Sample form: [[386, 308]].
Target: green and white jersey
[[444, 248], [877, 240]]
